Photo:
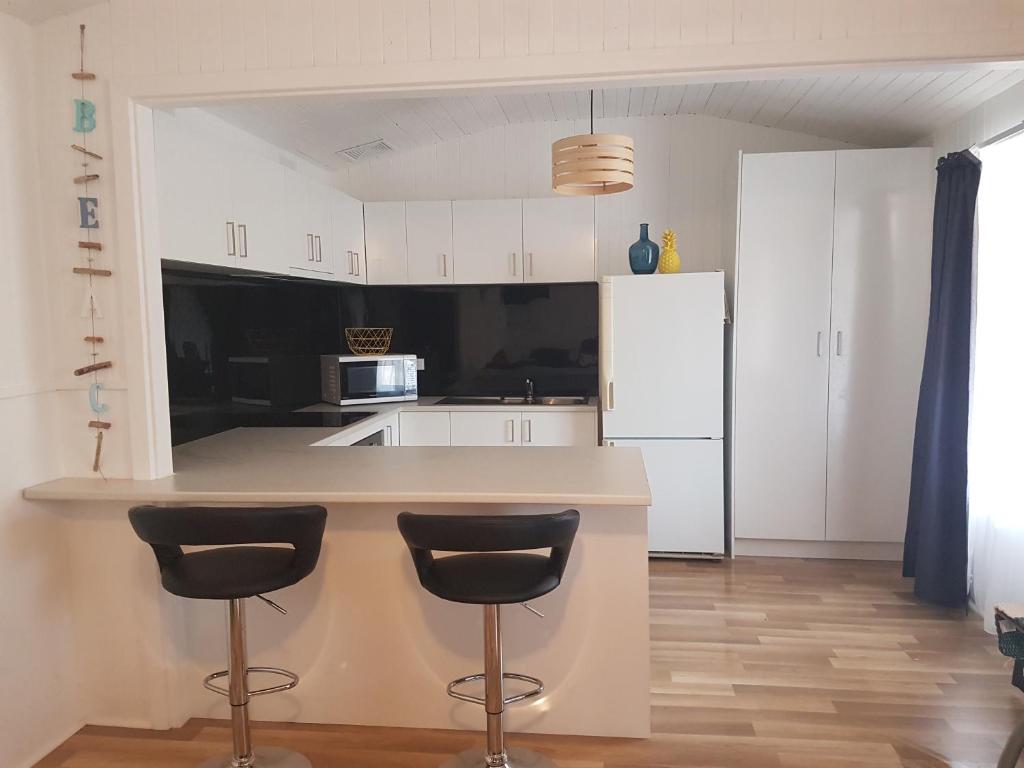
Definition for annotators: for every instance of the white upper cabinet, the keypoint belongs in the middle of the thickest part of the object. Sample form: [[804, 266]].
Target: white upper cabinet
[[782, 345], [319, 199], [302, 215], [558, 239], [880, 280], [260, 235], [429, 236], [348, 239], [387, 255], [488, 241], [195, 217]]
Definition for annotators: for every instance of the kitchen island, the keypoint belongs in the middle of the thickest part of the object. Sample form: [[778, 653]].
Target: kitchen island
[[371, 646]]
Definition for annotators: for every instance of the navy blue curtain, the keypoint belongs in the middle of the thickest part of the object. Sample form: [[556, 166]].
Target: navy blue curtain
[[935, 548]]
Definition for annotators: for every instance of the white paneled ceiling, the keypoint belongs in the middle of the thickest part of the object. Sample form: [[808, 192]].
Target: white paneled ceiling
[[874, 108]]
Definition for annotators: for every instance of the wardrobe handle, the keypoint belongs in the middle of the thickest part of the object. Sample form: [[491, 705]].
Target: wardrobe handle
[[231, 238], [243, 241], [839, 343]]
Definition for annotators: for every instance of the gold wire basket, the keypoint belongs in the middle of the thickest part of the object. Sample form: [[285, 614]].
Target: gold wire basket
[[369, 341]]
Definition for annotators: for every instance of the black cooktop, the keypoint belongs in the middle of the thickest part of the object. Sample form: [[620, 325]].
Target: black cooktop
[[186, 427]]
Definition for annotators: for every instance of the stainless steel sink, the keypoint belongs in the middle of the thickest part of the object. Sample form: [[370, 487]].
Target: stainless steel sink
[[516, 401]]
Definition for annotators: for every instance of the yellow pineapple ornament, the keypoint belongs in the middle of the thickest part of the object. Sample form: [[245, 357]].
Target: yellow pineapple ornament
[[669, 262]]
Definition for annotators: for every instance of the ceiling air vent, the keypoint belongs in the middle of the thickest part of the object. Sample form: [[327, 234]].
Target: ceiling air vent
[[367, 151]]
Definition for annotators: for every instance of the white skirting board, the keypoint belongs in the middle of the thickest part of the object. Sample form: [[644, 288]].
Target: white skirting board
[[834, 550], [50, 746]]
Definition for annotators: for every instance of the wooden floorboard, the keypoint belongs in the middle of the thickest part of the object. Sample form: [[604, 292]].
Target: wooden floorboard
[[755, 662]]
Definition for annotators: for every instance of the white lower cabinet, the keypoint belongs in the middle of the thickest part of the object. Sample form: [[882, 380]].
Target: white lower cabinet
[[540, 428], [524, 428], [392, 431], [486, 428], [424, 428]]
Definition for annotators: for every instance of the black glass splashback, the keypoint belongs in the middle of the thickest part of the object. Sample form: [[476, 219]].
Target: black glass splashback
[[476, 340]]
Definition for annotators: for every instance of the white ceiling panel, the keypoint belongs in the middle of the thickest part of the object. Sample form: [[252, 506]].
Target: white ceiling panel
[[872, 108]]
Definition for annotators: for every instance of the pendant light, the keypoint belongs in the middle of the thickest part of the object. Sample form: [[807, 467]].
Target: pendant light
[[592, 163]]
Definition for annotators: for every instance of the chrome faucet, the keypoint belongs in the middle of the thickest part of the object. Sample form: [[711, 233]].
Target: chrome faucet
[[529, 391]]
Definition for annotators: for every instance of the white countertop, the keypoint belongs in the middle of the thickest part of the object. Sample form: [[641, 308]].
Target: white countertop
[[282, 465]]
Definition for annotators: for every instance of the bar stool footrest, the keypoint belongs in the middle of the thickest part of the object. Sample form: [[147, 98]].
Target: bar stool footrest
[[537, 690], [293, 680]]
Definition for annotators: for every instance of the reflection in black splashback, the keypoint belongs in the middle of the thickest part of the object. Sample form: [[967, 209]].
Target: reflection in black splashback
[[475, 340]]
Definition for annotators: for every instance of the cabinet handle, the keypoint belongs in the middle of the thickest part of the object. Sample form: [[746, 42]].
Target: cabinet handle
[[610, 400], [817, 345], [390, 441], [527, 431], [530, 254], [319, 249], [243, 242], [839, 343], [514, 272], [231, 238], [510, 432], [444, 265], [309, 247], [356, 259]]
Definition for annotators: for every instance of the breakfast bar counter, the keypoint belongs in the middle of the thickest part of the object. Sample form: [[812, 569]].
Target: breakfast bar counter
[[274, 465], [369, 644]]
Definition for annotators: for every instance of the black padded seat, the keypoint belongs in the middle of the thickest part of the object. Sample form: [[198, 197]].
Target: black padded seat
[[494, 573], [231, 571]]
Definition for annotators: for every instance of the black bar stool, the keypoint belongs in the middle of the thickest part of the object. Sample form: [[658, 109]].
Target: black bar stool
[[233, 573], [492, 575]]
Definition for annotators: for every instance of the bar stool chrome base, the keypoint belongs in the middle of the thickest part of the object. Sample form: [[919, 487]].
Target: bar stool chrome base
[[517, 758], [264, 757]]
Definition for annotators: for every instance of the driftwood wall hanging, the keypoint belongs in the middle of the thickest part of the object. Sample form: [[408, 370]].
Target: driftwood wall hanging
[[90, 248]]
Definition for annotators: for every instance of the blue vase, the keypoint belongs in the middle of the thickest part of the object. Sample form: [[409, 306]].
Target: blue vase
[[643, 254]]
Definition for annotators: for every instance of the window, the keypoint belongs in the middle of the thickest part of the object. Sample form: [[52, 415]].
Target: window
[[996, 446]]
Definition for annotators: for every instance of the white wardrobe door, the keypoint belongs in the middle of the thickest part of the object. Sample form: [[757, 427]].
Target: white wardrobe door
[[880, 292], [687, 512], [784, 270]]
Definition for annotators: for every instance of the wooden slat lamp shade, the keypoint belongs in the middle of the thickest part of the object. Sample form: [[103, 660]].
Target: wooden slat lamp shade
[[592, 164]]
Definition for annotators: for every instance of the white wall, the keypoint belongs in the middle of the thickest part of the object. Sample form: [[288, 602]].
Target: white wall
[[994, 116], [686, 175], [39, 707]]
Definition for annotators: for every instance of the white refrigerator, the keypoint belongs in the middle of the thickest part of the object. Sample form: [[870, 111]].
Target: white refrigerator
[[662, 390]]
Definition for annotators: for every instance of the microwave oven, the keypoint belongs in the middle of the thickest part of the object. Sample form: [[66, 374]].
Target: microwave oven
[[362, 379]]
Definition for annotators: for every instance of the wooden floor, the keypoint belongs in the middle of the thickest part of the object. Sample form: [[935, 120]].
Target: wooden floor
[[756, 662]]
